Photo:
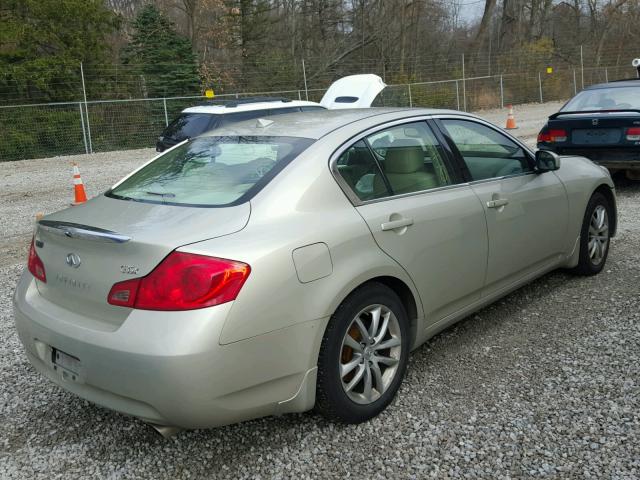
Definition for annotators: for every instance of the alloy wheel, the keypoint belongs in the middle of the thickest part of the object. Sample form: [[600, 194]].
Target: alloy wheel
[[598, 235], [370, 354]]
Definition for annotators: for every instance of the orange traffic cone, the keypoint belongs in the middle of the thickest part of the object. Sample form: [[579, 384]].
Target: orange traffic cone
[[80, 196], [511, 121]]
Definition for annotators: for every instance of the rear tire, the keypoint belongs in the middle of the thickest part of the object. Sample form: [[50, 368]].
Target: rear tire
[[363, 356], [595, 236]]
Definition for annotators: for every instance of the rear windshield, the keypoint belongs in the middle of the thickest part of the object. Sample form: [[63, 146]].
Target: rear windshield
[[211, 171], [617, 98], [188, 125]]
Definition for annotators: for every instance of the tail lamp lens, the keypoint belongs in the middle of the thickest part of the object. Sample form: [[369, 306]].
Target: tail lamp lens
[[35, 265], [183, 281], [633, 134], [552, 136]]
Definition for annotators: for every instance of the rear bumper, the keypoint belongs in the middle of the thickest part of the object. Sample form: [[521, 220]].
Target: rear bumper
[[168, 368], [612, 158]]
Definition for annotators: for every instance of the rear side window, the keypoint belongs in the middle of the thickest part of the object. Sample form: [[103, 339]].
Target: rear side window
[[395, 161], [358, 168], [188, 125], [211, 171], [411, 157]]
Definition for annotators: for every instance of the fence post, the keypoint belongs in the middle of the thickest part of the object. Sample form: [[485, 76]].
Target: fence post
[[304, 74], [410, 99], [299, 95], [575, 87], [582, 67], [606, 75], [464, 87], [166, 117], [86, 108], [501, 93], [84, 132], [457, 95], [540, 85]]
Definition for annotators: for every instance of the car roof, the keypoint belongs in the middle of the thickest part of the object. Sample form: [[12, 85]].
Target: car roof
[[317, 124], [246, 107], [619, 83]]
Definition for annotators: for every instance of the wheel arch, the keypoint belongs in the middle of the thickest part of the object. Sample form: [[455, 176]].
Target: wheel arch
[[408, 297]]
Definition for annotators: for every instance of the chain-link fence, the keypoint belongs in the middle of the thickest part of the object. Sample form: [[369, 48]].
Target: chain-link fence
[[52, 129]]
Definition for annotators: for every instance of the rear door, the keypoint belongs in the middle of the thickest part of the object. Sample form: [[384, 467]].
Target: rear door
[[419, 212], [526, 212]]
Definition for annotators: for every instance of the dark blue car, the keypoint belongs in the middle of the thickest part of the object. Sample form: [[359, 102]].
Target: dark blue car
[[601, 123]]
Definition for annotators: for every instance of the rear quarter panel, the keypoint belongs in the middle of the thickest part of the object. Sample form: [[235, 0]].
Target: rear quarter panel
[[302, 206]]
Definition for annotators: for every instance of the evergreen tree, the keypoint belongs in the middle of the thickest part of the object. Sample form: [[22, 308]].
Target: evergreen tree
[[163, 58], [42, 43]]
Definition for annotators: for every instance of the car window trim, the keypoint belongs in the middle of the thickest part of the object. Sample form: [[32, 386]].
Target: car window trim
[[348, 191], [527, 151]]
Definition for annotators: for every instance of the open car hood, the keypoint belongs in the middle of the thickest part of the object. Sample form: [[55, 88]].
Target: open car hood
[[353, 91]]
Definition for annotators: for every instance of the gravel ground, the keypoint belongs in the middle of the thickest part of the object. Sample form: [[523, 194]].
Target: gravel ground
[[545, 383]]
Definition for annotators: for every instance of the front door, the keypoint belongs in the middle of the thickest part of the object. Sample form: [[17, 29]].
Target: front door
[[526, 212]]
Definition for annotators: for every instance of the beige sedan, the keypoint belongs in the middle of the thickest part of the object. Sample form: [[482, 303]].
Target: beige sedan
[[281, 264]]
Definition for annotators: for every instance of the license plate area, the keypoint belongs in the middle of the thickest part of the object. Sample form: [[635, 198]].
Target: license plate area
[[67, 366], [596, 136]]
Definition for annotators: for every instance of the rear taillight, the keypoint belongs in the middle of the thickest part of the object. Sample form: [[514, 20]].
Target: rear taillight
[[35, 265], [552, 136], [183, 281], [633, 134]]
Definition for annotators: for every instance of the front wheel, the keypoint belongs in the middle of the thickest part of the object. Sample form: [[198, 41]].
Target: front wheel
[[363, 356], [595, 236]]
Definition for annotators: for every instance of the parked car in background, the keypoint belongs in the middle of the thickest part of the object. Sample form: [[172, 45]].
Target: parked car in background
[[194, 121], [280, 264], [601, 123], [353, 91]]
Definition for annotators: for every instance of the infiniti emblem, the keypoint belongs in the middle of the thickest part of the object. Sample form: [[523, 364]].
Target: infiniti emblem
[[73, 260]]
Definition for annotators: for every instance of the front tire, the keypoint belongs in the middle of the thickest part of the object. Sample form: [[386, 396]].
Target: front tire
[[363, 356], [595, 236]]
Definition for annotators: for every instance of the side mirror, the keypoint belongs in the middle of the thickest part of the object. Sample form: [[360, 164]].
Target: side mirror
[[547, 161]]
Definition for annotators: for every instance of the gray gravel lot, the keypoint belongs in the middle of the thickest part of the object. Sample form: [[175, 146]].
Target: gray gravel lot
[[545, 383]]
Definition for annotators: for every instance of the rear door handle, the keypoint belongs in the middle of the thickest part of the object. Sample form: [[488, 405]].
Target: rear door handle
[[500, 202], [395, 224]]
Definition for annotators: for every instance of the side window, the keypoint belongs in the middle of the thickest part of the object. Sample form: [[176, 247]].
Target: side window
[[486, 152], [411, 158], [359, 169]]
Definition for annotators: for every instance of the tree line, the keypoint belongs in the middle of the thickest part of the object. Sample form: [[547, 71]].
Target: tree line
[[142, 48]]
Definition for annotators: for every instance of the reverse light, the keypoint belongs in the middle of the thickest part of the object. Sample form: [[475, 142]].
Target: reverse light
[[35, 265], [633, 134], [552, 136], [183, 281]]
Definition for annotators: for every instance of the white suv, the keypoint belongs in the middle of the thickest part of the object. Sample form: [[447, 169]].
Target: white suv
[[196, 120], [353, 91]]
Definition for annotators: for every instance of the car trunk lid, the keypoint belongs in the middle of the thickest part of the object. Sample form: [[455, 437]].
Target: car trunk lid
[[595, 128], [86, 249]]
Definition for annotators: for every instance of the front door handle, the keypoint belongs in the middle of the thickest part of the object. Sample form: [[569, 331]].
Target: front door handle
[[500, 202], [395, 224]]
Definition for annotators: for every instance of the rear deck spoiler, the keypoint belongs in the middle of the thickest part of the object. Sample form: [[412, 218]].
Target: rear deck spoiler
[[625, 110]]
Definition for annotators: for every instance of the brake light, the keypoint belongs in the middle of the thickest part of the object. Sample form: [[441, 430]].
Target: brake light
[[552, 136], [35, 265], [633, 134], [183, 281]]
